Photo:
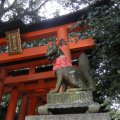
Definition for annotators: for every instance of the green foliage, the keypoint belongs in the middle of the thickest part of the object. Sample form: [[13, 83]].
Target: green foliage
[[104, 26], [115, 113], [5, 100], [40, 42]]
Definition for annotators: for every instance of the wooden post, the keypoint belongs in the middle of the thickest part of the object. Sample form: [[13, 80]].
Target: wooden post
[[62, 35], [12, 105], [23, 108], [1, 91], [32, 105], [3, 74]]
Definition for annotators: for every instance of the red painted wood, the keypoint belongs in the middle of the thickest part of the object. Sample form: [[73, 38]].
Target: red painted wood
[[82, 44], [38, 86], [23, 108], [29, 77], [41, 95], [32, 105], [27, 64], [41, 51], [62, 33], [12, 105], [3, 74], [27, 54], [32, 69], [1, 91], [35, 35], [41, 86]]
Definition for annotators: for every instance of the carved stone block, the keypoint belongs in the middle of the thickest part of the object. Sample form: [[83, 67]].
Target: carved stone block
[[70, 97]]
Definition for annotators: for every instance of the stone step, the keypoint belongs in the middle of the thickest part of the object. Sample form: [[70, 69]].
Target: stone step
[[93, 116]]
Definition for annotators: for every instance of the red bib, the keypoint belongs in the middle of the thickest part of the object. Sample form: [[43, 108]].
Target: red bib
[[61, 62]]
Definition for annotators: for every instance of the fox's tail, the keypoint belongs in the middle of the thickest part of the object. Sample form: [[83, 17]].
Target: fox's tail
[[84, 65]]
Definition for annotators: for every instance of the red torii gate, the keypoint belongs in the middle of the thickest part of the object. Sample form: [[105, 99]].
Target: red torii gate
[[33, 85]]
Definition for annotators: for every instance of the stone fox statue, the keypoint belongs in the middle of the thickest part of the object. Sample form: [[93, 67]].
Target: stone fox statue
[[68, 75]]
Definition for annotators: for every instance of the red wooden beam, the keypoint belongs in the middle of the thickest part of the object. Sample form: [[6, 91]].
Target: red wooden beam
[[40, 51], [27, 64], [34, 63], [3, 41], [29, 77], [82, 44], [35, 35], [37, 87], [27, 54], [38, 94], [37, 62], [7, 89]]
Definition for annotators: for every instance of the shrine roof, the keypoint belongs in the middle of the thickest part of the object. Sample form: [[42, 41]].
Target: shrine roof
[[61, 20]]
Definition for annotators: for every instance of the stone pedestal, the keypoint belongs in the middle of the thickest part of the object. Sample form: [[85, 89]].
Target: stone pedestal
[[71, 102], [73, 96], [71, 105], [93, 116]]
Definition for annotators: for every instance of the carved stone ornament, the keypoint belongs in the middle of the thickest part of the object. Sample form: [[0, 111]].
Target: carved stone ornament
[[14, 42]]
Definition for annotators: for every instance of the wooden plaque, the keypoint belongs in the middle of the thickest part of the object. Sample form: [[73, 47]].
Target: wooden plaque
[[14, 42]]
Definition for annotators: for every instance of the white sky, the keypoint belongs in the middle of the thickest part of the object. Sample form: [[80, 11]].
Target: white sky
[[52, 6], [48, 10]]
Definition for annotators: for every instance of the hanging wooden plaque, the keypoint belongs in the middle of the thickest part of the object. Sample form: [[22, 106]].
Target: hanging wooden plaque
[[14, 42]]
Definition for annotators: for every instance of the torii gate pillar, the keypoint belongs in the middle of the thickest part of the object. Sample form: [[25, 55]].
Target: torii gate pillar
[[62, 34], [1, 91], [12, 105], [23, 108], [3, 74], [32, 106]]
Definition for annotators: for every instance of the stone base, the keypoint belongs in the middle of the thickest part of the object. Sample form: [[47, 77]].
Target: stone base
[[72, 96], [73, 108], [93, 116], [71, 102]]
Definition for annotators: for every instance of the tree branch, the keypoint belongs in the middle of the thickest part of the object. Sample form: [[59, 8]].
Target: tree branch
[[2, 5], [40, 6], [11, 6]]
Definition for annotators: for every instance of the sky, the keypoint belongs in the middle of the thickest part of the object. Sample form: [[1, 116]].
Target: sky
[[49, 9], [52, 6]]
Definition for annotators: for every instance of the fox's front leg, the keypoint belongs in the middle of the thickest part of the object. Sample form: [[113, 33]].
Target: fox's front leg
[[59, 80]]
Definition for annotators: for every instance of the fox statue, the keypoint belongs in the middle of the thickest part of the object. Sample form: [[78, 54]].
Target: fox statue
[[68, 75]]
